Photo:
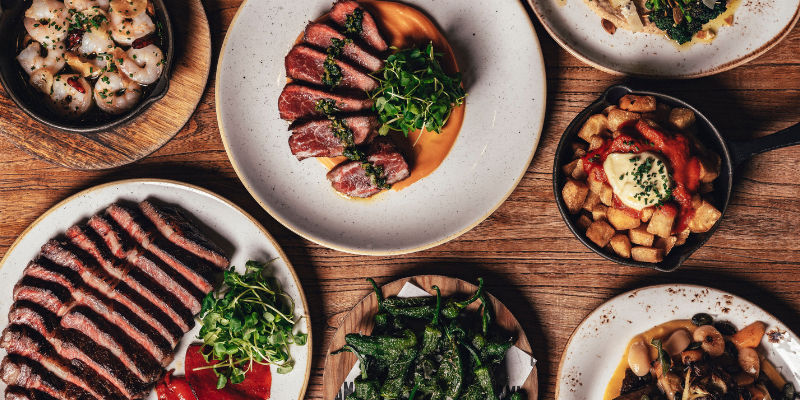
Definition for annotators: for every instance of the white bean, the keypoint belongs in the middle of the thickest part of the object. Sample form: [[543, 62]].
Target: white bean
[[749, 361], [677, 342], [639, 358]]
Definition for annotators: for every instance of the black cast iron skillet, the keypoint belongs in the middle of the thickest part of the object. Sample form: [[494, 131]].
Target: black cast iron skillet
[[731, 152], [15, 80]]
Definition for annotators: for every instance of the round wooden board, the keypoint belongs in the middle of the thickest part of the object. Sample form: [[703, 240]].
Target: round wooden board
[[145, 134], [360, 319]]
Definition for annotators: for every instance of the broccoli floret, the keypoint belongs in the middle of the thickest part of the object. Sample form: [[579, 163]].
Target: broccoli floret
[[681, 33], [698, 10], [695, 14]]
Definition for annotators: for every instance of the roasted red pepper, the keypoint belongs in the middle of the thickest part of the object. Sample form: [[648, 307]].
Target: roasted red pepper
[[171, 388], [256, 385]]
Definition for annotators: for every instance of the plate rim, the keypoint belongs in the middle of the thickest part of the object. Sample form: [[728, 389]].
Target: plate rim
[[564, 353], [367, 252], [207, 192], [712, 71]]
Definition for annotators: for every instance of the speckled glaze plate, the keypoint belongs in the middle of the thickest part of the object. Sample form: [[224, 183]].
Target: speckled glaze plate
[[758, 26], [598, 344], [241, 236], [498, 51]]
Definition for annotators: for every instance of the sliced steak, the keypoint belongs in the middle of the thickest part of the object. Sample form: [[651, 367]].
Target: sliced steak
[[90, 242], [132, 355], [144, 232], [308, 65], [369, 31], [27, 374], [149, 312], [176, 226], [350, 179], [49, 295], [18, 393], [322, 35], [316, 138], [300, 101], [47, 270]]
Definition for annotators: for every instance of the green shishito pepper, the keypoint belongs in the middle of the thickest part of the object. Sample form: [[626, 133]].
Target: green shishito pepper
[[483, 375], [383, 347], [453, 308], [451, 372], [432, 333]]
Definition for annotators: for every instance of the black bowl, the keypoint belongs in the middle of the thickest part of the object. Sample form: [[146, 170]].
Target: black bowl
[[731, 152], [15, 80]]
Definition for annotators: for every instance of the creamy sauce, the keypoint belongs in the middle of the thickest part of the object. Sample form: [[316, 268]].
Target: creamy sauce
[[660, 332], [621, 168], [714, 26], [404, 27]]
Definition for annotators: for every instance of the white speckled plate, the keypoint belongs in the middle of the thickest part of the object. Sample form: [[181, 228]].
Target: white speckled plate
[[232, 228], [496, 48], [598, 344], [758, 26]]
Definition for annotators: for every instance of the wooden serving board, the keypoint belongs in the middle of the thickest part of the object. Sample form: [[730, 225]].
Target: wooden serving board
[[145, 134], [360, 319]]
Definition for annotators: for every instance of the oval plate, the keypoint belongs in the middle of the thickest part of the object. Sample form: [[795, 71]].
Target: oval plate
[[503, 123], [757, 27], [598, 344], [361, 319], [225, 223]]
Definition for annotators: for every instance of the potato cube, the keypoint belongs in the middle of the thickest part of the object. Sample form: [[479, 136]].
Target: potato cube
[[710, 167], [666, 244], [647, 254], [661, 115], [621, 245], [592, 199], [640, 104], [640, 236], [647, 213], [595, 125], [600, 232], [579, 173], [607, 194], [569, 168], [583, 222], [578, 154], [621, 220], [681, 118], [661, 222], [595, 185], [616, 134], [596, 143], [705, 187], [608, 109], [618, 117], [599, 212], [682, 236], [579, 145], [574, 194], [704, 218], [697, 201]]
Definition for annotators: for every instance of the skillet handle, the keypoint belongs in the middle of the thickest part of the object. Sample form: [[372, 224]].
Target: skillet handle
[[743, 150]]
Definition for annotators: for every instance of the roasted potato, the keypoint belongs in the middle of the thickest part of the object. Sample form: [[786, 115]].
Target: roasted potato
[[680, 119], [621, 220], [583, 222], [710, 167], [607, 194], [618, 117], [600, 232], [599, 212], [574, 194], [704, 218], [621, 245], [595, 125], [647, 213], [579, 174], [660, 223], [591, 201], [596, 143], [665, 244], [640, 236], [647, 254], [661, 115], [639, 104], [569, 168]]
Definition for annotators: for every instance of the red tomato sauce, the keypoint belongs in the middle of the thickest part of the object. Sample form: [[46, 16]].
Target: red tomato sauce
[[638, 137]]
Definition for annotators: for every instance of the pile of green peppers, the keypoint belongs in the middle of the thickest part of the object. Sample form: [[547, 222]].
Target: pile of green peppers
[[427, 348]]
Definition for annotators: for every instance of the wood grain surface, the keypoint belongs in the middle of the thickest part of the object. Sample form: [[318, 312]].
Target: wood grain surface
[[530, 260], [361, 320], [146, 133]]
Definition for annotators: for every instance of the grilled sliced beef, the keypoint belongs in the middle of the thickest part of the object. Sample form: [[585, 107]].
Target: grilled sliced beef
[[49, 295], [132, 355], [300, 101], [149, 312], [369, 31], [67, 256], [308, 65], [316, 138], [176, 226], [47, 270], [27, 374], [322, 35], [30, 343], [18, 393], [93, 243], [350, 178]]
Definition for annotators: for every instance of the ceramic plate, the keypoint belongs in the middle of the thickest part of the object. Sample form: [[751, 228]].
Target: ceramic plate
[[596, 347], [758, 25], [235, 231], [496, 48]]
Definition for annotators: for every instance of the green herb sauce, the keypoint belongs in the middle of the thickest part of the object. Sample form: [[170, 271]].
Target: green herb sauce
[[353, 22]]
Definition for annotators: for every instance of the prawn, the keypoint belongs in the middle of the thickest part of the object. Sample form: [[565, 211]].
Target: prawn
[[83, 5], [126, 30], [46, 21], [35, 57], [143, 65], [70, 96], [116, 94]]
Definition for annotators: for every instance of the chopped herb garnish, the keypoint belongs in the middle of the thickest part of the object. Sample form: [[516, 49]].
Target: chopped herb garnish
[[353, 22]]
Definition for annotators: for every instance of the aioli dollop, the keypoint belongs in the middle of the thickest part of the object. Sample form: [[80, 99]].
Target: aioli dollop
[[639, 180]]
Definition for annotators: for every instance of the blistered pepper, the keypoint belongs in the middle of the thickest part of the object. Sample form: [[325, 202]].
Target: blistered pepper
[[385, 347], [432, 333], [453, 308]]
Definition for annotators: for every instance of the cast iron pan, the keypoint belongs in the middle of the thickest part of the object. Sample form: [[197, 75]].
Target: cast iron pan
[[15, 80], [731, 152]]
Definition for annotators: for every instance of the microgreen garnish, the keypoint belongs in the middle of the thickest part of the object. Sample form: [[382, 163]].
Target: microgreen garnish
[[415, 93], [251, 321]]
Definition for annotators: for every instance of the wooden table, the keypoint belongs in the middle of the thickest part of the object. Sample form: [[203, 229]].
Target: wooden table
[[529, 258]]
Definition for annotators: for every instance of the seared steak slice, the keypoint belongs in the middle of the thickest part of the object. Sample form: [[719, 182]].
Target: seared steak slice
[[307, 65], [321, 35], [90, 242], [47, 270], [176, 226], [369, 31], [27, 374], [149, 312], [132, 355], [145, 233], [18, 393], [350, 179], [316, 138], [49, 295], [300, 101]]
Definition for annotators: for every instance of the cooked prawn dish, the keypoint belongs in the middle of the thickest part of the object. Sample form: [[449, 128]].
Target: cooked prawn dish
[[82, 53], [698, 359]]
